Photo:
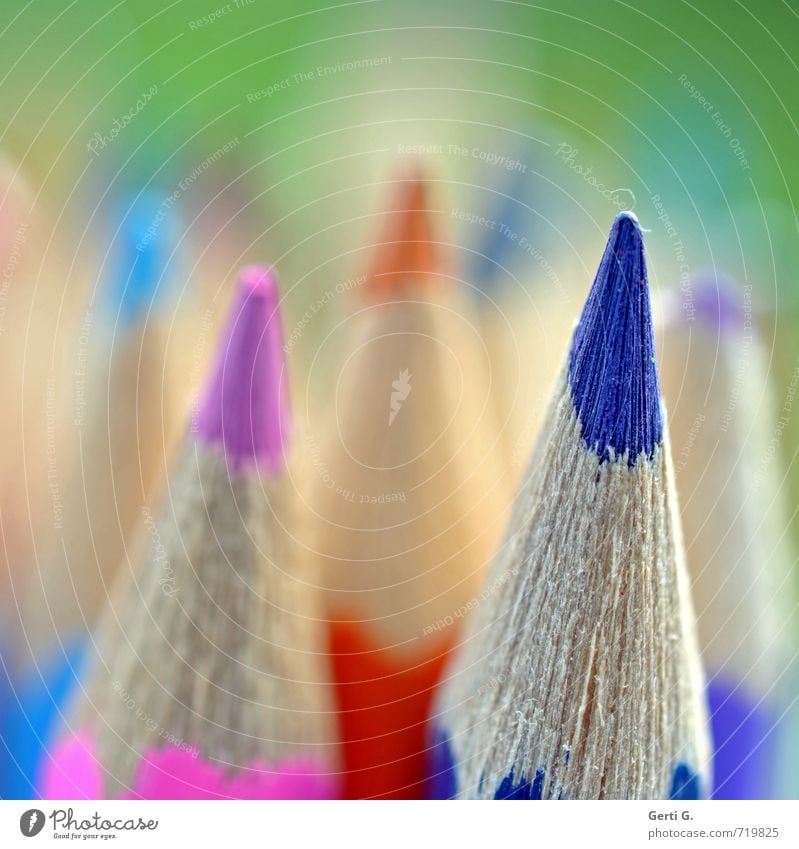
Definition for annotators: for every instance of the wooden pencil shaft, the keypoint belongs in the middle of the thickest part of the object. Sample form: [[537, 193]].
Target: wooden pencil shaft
[[214, 645]]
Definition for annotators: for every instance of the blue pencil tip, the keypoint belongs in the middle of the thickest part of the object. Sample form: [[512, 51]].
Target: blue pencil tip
[[612, 371], [628, 216], [509, 222], [141, 251]]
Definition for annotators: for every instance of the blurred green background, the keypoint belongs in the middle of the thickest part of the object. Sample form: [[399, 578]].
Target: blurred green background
[[620, 83]]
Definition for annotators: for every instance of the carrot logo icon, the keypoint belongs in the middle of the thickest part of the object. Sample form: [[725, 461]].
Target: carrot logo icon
[[31, 822], [402, 389]]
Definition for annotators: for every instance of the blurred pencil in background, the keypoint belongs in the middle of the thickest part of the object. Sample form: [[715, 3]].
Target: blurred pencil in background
[[412, 503], [208, 680], [581, 676], [122, 428], [716, 385], [117, 442], [16, 200], [16, 210], [34, 305]]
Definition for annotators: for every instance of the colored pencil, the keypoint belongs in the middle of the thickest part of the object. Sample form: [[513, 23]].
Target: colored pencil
[[208, 680], [410, 499], [580, 678], [25, 433], [122, 423], [16, 202], [716, 383], [116, 438]]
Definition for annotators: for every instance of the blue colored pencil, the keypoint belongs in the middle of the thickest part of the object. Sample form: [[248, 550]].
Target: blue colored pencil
[[117, 453], [497, 253], [580, 678]]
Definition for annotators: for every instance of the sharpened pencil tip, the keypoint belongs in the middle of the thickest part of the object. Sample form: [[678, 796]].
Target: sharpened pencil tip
[[498, 235], [246, 408], [259, 280], [627, 216], [407, 251], [142, 250], [612, 371]]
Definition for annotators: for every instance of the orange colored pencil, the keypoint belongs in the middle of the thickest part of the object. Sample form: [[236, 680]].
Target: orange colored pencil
[[413, 504]]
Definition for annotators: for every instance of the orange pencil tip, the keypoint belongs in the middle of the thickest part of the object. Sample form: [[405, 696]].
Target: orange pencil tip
[[407, 251]]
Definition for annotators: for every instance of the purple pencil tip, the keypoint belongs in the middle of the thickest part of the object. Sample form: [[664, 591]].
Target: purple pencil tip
[[612, 369], [246, 406], [719, 303]]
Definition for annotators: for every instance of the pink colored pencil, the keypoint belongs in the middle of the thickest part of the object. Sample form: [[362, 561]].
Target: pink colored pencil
[[209, 680]]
